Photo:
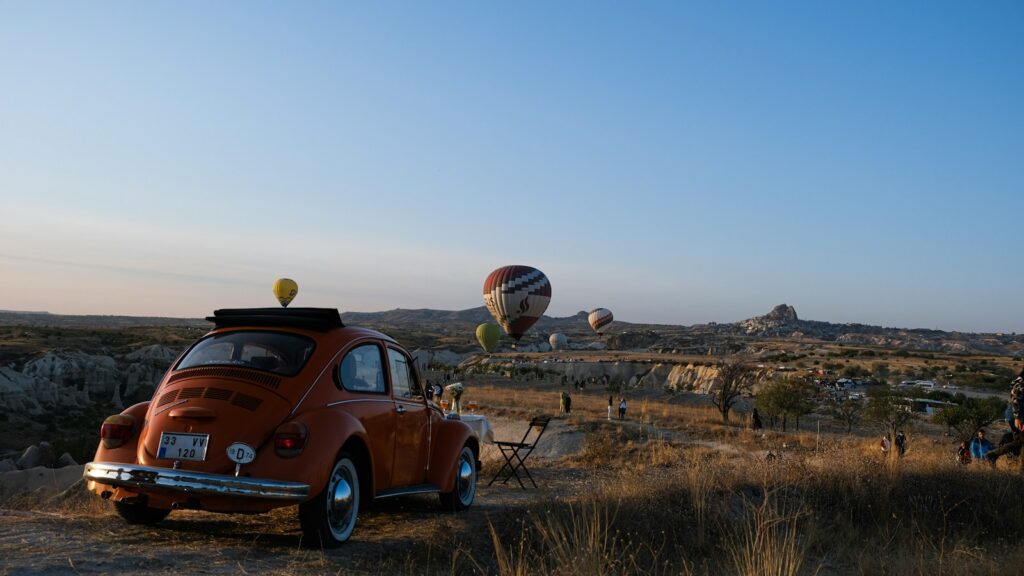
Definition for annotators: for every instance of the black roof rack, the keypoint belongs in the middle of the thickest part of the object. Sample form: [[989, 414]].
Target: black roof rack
[[320, 319]]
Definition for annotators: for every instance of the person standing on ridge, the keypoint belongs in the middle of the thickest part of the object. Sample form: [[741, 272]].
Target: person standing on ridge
[[901, 444], [980, 447]]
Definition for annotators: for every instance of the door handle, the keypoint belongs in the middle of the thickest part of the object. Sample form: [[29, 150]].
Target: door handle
[[400, 409]]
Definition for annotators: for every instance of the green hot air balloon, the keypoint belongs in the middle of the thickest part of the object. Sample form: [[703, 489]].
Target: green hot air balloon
[[488, 335]]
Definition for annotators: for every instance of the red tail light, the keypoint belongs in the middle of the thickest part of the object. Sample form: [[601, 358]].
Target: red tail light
[[290, 439], [116, 430]]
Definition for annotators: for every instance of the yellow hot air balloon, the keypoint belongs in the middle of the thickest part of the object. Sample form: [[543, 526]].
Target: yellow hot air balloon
[[488, 335], [285, 289]]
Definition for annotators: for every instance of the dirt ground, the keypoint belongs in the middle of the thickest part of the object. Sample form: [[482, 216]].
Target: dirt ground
[[77, 533]]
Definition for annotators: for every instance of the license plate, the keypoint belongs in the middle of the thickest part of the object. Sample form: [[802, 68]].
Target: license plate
[[183, 446]]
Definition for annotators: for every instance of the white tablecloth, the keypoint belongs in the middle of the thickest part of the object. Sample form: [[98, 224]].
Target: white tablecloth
[[481, 427]]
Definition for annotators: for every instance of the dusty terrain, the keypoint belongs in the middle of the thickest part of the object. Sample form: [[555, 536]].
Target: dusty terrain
[[76, 533], [671, 489]]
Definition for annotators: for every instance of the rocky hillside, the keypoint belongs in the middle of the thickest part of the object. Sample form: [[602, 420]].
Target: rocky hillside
[[71, 379], [782, 322]]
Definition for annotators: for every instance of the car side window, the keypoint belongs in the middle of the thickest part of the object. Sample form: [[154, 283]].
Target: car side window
[[362, 370], [403, 382]]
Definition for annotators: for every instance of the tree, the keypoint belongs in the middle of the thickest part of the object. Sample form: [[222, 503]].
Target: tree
[[971, 415], [788, 397], [849, 412], [854, 371], [735, 379], [890, 409], [801, 398], [880, 370], [769, 402]]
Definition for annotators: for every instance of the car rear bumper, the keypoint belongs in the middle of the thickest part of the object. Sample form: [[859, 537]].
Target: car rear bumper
[[189, 482]]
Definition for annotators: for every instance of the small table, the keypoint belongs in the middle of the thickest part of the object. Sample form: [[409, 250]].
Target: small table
[[481, 427]]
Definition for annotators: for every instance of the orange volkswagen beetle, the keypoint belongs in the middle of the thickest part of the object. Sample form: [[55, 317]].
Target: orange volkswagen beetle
[[277, 407]]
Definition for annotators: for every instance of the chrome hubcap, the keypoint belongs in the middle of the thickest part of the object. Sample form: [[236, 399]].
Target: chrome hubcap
[[466, 479], [341, 502]]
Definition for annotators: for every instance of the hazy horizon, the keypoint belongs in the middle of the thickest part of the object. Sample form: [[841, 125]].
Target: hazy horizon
[[47, 312], [677, 164]]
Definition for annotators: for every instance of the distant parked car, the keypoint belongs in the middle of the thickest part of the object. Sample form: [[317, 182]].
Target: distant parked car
[[278, 407]]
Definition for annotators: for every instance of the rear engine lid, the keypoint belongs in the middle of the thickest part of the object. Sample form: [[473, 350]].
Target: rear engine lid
[[229, 409]]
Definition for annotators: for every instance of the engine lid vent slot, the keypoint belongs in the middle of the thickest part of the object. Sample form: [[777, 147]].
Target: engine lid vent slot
[[246, 401], [251, 376]]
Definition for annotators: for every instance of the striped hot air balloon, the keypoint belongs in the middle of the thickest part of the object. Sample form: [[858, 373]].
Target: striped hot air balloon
[[517, 296], [558, 341], [599, 319]]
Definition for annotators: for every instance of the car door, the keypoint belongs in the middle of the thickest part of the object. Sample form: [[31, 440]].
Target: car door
[[412, 422], [362, 373]]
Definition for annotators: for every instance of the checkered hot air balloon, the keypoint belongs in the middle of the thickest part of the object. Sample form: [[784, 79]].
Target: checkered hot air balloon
[[517, 296], [599, 319]]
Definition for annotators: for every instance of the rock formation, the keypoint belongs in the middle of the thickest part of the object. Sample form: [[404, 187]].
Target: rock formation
[[68, 379]]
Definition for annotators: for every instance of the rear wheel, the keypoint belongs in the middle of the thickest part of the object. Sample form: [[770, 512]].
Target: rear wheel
[[464, 491], [329, 518], [140, 513]]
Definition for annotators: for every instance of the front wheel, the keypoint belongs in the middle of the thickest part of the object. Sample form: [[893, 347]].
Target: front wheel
[[329, 518], [140, 514], [461, 496]]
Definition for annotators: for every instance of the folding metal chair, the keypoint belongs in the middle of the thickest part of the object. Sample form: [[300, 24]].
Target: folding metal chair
[[516, 453]]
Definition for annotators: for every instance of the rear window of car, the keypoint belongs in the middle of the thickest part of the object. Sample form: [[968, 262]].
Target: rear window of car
[[276, 352]]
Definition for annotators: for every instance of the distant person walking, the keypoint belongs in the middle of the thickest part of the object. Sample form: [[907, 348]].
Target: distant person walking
[[980, 447], [622, 408], [755, 420], [568, 404], [963, 454], [561, 402], [609, 406], [901, 443], [885, 445]]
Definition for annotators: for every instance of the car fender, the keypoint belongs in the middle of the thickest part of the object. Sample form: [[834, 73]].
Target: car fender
[[329, 431], [451, 436], [127, 452]]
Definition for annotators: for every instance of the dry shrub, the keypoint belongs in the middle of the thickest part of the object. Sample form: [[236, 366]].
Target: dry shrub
[[581, 541], [615, 445], [574, 540], [768, 541], [702, 478], [511, 562], [657, 452]]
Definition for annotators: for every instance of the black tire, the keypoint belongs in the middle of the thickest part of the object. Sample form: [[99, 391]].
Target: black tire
[[140, 514], [464, 491], [330, 517]]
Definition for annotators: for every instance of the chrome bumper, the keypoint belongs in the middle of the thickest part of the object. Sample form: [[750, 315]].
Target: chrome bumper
[[136, 476]]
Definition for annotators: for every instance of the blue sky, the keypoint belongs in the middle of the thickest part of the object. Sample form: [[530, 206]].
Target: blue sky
[[674, 162]]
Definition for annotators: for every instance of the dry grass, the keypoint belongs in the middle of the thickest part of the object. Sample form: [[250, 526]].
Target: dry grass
[[769, 542], [671, 491]]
